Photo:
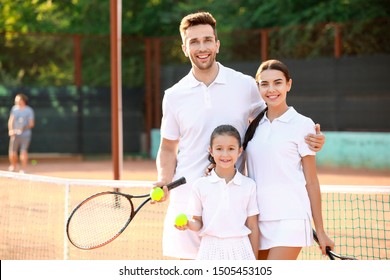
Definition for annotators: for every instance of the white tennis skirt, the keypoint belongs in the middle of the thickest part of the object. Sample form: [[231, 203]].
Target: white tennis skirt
[[286, 233], [232, 248]]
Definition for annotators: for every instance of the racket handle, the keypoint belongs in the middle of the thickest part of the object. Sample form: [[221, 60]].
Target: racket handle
[[328, 251], [315, 237], [176, 183]]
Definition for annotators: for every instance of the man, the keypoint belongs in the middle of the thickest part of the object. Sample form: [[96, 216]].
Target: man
[[209, 96], [20, 123]]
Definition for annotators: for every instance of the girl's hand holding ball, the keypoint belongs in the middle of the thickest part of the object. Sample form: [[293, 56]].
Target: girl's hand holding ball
[[181, 221]]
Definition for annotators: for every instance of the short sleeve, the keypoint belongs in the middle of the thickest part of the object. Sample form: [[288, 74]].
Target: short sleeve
[[12, 112], [169, 126], [307, 128], [252, 208], [31, 114], [195, 203]]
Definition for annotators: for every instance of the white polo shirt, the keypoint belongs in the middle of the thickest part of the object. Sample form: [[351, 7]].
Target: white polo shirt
[[191, 111], [224, 207], [274, 161]]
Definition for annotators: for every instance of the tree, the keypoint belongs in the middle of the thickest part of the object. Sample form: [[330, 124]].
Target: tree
[[33, 59], [161, 17]]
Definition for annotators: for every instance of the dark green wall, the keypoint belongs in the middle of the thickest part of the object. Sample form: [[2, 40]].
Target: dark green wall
[[76, 121]]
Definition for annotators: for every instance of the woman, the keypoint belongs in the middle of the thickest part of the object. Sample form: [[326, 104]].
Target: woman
[[284, 169]]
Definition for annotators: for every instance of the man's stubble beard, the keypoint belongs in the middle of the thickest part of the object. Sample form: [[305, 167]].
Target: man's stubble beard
[[206, 66]]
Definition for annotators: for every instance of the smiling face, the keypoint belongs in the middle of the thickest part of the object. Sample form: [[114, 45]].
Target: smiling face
[[274, 87], [200, 46], [225, 150]]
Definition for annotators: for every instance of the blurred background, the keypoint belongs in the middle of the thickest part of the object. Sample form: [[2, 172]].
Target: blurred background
[[58, 54]]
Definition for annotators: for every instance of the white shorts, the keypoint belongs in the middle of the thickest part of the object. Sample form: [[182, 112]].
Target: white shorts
[[288, 233], [176, 243], [232, 248]]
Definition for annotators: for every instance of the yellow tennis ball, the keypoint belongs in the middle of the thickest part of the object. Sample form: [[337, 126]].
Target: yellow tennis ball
[[156, 194], [181, 220]]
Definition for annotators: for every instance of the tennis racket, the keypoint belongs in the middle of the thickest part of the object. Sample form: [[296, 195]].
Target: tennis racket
[[332, 255], [102, 217]]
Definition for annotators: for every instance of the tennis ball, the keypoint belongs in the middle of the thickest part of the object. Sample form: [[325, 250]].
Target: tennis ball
[[181, 220], [34, 162], [156, 194]]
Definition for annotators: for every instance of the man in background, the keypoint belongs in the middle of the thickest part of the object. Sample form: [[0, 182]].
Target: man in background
[[20, 123]]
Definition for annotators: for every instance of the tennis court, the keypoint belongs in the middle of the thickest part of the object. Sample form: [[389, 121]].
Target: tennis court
[[35, 206]]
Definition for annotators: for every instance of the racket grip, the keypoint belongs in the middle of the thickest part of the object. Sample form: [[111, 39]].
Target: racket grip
[[176, 183]]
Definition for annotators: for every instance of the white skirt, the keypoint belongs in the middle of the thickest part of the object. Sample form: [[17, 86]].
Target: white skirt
[[286, 233], [233, 248]]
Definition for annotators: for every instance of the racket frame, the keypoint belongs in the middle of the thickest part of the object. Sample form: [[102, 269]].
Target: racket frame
[[129, 197]]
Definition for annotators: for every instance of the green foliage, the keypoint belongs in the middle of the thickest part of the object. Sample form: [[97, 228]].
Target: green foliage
[[258, 14], [36, 59], [37, 15], [161, 17], [48, 60]]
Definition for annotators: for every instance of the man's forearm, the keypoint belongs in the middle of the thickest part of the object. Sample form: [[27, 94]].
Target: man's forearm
[[166, 165]]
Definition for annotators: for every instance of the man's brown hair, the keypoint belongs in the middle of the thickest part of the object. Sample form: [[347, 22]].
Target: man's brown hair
[[198, 18]]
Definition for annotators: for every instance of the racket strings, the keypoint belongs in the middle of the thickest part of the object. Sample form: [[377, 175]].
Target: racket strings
[[99, 220]]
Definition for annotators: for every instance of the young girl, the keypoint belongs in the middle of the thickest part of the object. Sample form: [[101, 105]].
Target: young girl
[[284, 169], [223, 205]]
